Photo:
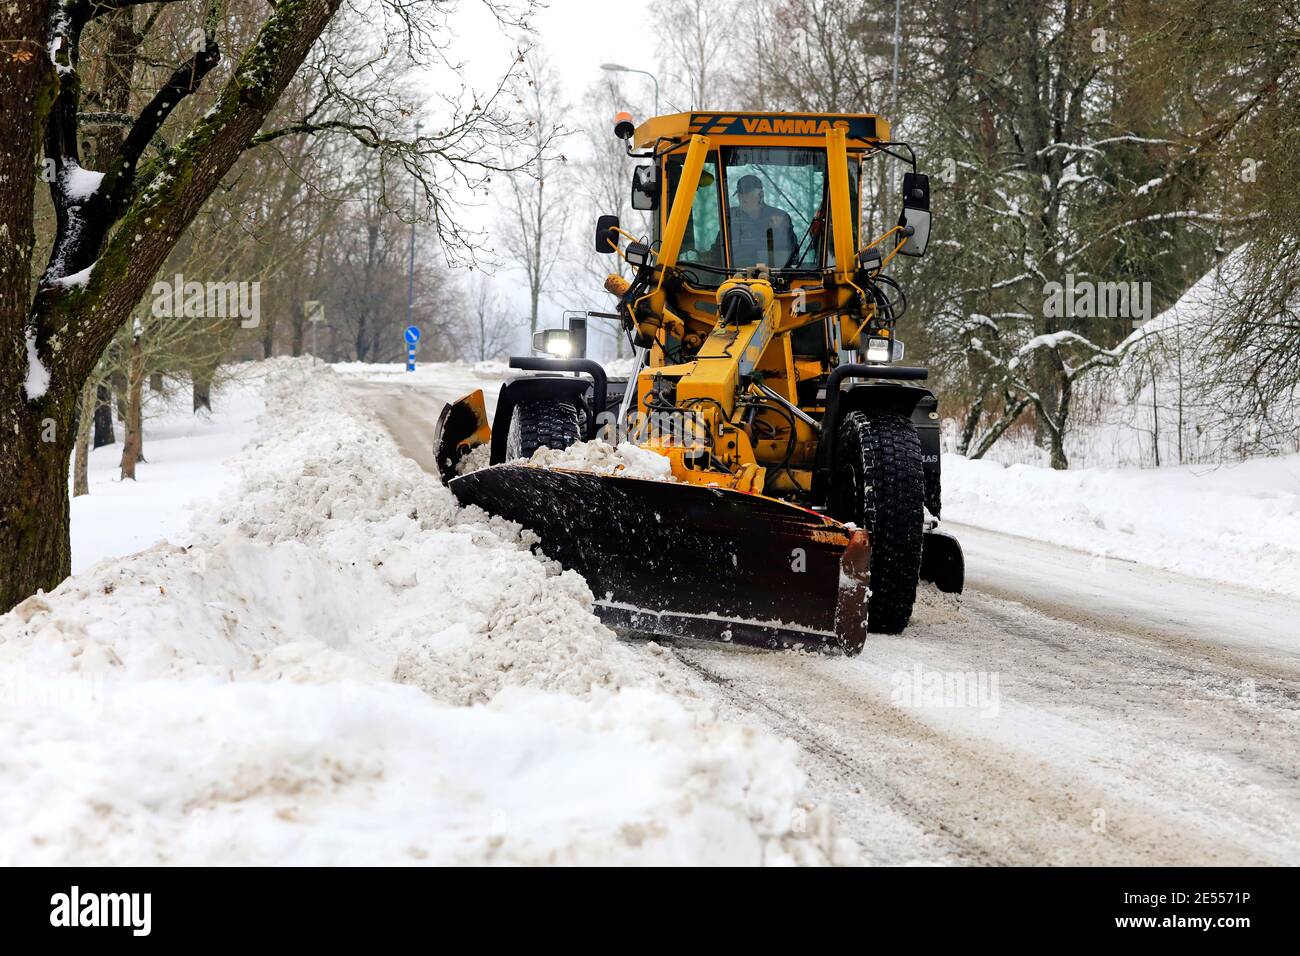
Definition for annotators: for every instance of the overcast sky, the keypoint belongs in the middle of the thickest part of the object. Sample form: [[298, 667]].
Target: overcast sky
[[577, 36]]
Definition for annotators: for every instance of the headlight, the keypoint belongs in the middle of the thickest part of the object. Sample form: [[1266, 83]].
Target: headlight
[[553, 342], [877, 350], [884, 350]]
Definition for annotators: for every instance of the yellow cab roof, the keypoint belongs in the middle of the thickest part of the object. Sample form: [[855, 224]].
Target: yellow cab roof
[[763, 129]]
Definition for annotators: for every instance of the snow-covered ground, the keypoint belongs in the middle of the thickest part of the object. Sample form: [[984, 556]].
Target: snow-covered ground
[[187, 460], [337, 664], [1237, 523]]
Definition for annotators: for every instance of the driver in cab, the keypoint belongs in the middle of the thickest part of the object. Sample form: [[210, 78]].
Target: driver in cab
[[759, 232]]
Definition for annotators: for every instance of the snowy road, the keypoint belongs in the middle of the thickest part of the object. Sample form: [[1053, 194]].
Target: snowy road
[[1069, 709]]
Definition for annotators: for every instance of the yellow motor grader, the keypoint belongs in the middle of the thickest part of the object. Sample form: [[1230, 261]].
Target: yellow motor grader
[[805, 462]]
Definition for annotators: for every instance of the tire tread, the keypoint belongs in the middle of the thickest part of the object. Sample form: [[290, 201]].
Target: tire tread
[[548, 423], [885, 450]]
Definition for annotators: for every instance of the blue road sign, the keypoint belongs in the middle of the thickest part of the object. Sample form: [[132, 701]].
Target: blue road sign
[[412, 336]]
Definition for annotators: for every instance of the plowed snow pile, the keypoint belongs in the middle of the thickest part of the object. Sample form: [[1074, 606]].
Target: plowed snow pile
[[624, 459], [346, 667]]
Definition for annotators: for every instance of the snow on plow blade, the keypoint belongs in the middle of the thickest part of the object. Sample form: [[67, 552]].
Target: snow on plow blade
[[682, 560]]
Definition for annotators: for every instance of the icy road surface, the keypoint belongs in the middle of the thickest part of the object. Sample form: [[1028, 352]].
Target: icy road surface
[[1069, 709]]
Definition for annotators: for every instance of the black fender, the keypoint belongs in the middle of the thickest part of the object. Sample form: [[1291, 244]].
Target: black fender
[[915, 402], [531, 388], [911, 401]]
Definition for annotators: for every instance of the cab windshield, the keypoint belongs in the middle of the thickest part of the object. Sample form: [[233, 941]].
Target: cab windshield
[[776, 200], [769, 206]]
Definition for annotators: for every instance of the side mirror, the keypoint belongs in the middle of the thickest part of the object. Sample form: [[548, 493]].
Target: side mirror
[[645, 188], [607, 233], [916, 213]]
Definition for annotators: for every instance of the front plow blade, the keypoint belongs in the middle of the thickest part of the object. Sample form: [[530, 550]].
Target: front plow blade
[[683, 560]]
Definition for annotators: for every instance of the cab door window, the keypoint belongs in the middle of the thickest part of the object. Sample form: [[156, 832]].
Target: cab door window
[[703, 241]]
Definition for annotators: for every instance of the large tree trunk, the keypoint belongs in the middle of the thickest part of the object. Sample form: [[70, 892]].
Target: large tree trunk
[[34, 503], [1056, 448], [34, 549], [81, 460], [103, 416], [1056, 435]]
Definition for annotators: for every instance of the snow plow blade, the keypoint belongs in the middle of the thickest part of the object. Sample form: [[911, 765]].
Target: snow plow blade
[[682, 560], [462, 426]]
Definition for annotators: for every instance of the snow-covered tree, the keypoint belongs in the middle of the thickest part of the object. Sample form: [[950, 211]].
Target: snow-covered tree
[[1070, 197]]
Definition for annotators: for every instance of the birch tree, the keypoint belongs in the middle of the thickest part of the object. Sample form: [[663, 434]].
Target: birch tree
[[537, 211]]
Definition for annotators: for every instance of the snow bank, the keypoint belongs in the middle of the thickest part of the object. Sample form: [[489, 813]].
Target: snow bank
[[346, 667], [625, 460], [427, 373], [1234, 523], [1171, 399]]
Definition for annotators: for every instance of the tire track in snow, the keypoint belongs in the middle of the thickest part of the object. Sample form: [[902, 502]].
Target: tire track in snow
[[976, 801]]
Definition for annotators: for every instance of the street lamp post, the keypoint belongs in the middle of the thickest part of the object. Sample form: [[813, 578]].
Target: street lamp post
[[618, 68], [893, 105], [410, 271]]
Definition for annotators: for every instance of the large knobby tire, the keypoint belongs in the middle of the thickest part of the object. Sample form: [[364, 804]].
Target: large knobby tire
[[553, 424], [879, 484]]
